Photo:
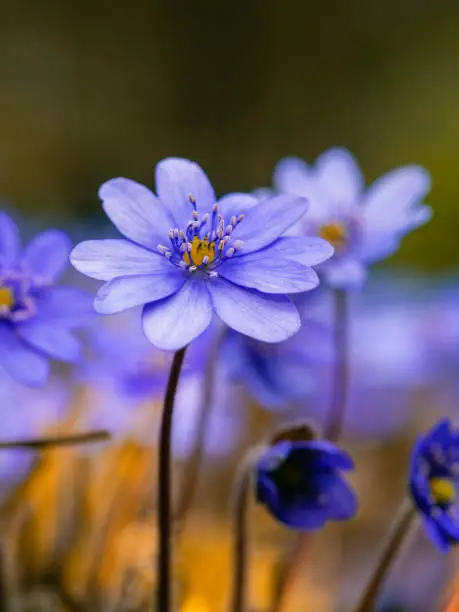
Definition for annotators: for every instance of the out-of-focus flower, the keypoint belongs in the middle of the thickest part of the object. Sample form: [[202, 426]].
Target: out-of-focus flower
[[301, 485], [434, 483], [26, 413], [37, 319], [278, 375], [186, 257], [364, 226]]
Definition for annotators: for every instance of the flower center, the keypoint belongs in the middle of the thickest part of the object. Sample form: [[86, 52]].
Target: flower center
[[334, 233], [443, 490], [204, 243], [6, 299]]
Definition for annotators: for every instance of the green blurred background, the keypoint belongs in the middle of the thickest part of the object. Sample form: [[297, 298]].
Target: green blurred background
[[89, 90]]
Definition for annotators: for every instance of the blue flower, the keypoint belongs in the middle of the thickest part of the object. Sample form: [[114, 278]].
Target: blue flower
[[300, 483], [36, 319], [187, 257], [434, 480], [364, 226], [278, 375]]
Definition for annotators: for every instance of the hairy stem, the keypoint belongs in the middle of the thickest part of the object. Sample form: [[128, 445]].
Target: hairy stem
[[45, 443]]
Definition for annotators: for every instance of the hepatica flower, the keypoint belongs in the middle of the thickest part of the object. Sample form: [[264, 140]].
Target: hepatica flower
[[36, 318], [363, 225], [301, 485], [434, 480], [187, 256]]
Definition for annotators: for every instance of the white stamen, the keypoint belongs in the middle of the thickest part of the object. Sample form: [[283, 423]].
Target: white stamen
[[205, 260], [215, 207], [240, 218], [233, 221], [195, 215], [238, 244], [192, 268], [230, 252], [212, 273], [229, 230], [181, 235]]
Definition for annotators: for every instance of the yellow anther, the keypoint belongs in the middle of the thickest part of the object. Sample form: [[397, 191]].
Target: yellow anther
[[199, 250], [334, 233], [6, 297], [443, 490]]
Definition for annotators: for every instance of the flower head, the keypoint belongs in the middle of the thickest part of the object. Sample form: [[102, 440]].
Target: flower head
[[434, 483], [187, 256], [36, 318], [364, 226], [300, 483]]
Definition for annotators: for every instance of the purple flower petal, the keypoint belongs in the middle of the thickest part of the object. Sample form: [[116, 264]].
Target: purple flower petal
[[55, 342], [129, 291], [175, 321], [21, 362], [65, 306], [235, 204], [10, 241], [136, 212], [264, 223], [176, 180], [309, 251], [267, 318], [345, 273], [293, 175], [388, 200], [269, 273], [47, 255], [107, 259], [340, 176]]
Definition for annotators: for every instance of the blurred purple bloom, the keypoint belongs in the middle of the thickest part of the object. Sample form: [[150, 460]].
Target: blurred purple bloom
[[186, 257], [278, 375], [363, 225], [37, 319], [434, 483], [300, 483]]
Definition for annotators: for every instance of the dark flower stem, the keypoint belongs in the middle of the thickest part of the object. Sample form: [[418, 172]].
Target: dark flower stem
[[241, 498], [399, 531], [338, 403], [45, 443], [164, 588], [190, 478], [293, 558]]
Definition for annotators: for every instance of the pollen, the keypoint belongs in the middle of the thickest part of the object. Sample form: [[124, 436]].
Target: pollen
[[6, 298], [443, 490], [335, 233], [202, 252]]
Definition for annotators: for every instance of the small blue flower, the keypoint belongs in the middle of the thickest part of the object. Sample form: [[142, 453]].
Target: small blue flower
[[364, 226], [434, 481], [187, 257], [37, 319], [300, 483]]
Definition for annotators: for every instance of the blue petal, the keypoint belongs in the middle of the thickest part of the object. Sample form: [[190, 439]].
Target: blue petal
[[342, 502], [177, 179], [293, 175], [175, 321], [266, 318], [66, 306], [47, 255], [264, 223], [393, 194], [235, 204], [266, 491], [436, 536], [269, 273], [301, 517], [136, 212], [129, 291], [329, 455], [340, 177], [107, 259], [309, 251], [21, 362], [10, 241], [55, 342]]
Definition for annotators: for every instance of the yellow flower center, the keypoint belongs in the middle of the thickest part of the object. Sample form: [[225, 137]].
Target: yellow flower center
[[334, 233], [443, 490], [200, 250], [6, 298]]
